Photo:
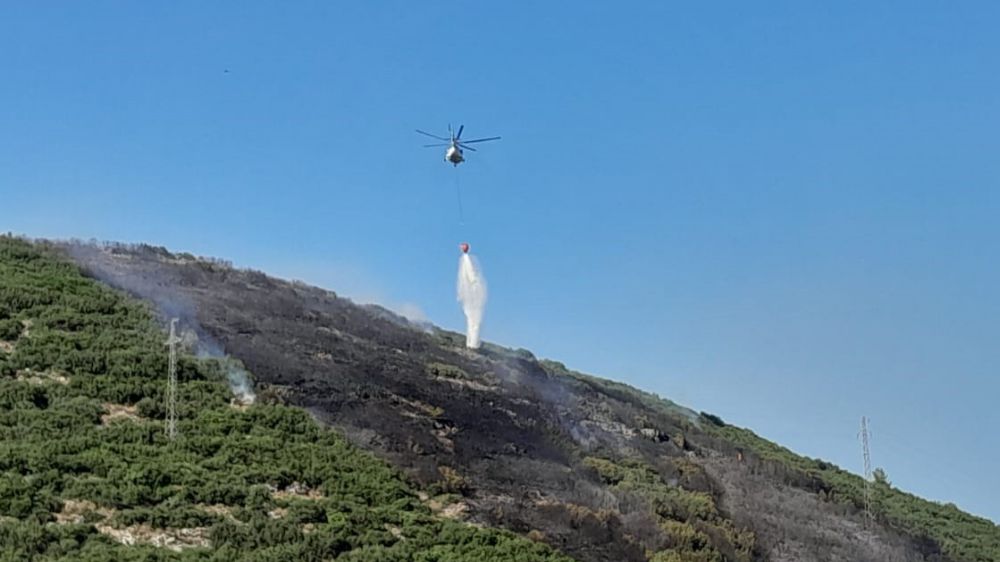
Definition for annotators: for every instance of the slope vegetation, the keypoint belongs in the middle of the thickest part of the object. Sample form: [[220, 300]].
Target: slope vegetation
[[596, 469], [86, 472]]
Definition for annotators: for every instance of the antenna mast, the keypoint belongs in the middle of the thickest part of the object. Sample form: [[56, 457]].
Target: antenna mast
[[172, 382], [864, 434]]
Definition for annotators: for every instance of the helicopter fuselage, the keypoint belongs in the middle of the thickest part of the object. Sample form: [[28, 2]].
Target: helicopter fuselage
[[454, 155]]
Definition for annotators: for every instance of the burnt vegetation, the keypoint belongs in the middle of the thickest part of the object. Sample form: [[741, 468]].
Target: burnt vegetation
[[593, 468], [86, 472]]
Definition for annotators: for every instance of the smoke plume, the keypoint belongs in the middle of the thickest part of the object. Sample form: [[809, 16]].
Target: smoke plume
[[143, 278], [472, 295], [239, 382]]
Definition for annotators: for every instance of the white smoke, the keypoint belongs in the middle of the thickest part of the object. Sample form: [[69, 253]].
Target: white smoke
[[239, 382], [472, 295]]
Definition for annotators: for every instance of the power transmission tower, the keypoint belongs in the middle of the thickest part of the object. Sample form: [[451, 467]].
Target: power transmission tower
[[864, 434], [172, 382]]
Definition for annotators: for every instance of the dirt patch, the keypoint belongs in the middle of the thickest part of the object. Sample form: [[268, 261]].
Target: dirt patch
[[299, 491], [119, 412], [454, 511], [43, 377], [171, 539], [443, 507], [395, 531], [217, 509], [75, 511], [238, 404]]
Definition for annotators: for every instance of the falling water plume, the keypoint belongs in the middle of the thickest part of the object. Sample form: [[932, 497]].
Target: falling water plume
[[472, 295]]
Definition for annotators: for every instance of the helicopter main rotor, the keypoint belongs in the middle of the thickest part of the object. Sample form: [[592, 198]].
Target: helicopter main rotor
[[455, 140]]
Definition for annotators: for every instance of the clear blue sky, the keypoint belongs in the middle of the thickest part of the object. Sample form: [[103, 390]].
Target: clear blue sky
[[787, 217]]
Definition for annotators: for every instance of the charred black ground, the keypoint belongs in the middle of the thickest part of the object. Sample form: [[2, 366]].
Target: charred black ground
[[597, 469]]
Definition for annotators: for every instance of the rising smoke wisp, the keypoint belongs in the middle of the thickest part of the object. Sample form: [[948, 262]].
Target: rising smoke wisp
[[153, 285], [472, 295], [240, 383]]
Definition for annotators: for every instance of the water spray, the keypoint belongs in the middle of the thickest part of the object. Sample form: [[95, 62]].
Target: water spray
[[472, 295]]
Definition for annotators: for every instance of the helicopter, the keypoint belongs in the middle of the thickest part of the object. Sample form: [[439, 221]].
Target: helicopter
[[455, 144]]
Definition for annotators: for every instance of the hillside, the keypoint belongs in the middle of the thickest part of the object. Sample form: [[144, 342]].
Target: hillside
[[85, 465], [593, 468]]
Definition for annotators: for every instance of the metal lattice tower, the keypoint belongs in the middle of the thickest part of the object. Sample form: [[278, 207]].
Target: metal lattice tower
[[864, 435], [172, 382]]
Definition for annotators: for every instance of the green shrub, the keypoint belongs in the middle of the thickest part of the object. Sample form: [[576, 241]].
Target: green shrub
[[10, 329]]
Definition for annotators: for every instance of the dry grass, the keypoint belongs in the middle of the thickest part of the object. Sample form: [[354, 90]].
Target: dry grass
[[119, 411]]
